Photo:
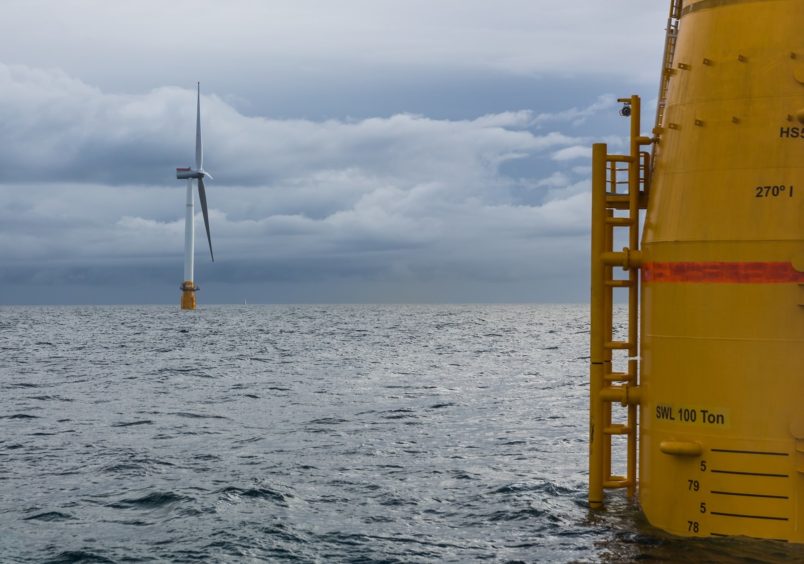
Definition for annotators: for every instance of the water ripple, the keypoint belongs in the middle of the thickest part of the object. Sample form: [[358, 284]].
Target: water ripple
[[152, 500], [50, 516], [310, 434]]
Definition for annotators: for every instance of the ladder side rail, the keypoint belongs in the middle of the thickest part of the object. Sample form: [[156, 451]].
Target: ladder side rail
[[608, 272], [644, 178], [668, 56], [631, 457], [671, 37], [634, 186], [597, 357], [633, 228]]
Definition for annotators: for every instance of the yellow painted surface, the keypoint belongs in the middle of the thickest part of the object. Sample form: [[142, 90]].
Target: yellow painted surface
[[188, 295], [722, 357]]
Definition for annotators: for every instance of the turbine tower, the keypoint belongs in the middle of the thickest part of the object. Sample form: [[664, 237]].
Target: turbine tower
[[188, 287]]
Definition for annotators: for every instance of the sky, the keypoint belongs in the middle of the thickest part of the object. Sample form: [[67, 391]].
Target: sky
[[363, 151]]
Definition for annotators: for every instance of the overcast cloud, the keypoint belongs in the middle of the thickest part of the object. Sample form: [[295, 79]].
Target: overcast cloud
[[317, 197]]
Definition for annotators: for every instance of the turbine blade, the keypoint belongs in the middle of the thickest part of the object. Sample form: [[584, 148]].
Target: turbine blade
[[202, 195], [199, 149]]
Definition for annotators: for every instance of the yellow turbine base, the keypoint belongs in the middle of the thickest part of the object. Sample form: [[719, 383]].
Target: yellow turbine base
[[188, 295], [722, 343]]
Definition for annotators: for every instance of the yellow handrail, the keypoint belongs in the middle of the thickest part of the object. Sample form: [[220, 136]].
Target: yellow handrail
[[607, 386]]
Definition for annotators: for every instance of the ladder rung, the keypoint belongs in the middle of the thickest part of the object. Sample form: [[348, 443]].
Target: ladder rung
[[625, 395], [618, 283], [618, 158], [617, 377], [616, 198], [624, 205], [617, 429], [617, 345], [623, 221], [616, 482]]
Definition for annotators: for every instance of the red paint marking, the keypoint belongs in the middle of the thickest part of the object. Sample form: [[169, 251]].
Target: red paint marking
[[722, 272]]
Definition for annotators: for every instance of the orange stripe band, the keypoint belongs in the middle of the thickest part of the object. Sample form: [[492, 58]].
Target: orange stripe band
[[722, 272]]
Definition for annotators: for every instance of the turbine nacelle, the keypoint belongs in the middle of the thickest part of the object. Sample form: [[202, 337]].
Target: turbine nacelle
[[185, 173]]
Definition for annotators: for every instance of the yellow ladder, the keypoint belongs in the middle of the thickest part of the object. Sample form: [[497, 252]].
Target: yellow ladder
[[670, 39], [620, 188]]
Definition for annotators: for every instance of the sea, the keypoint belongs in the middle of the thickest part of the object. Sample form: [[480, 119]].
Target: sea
[[310, 433]]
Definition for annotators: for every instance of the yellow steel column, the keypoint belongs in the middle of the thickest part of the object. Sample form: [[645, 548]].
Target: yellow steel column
[[631, 472], [633, 229], [608, 328], [596, 325], [722, 340], [634, 174], [188, 289]]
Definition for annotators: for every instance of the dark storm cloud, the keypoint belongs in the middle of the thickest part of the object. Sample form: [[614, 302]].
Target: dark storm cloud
[[271, 53], [56, 128], [369, 150], [405, 196]]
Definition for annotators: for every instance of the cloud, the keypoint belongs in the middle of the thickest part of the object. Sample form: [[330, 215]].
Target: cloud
[[362, 149], [88, 182], [556, 180], [577, 116], [572, 153], [57, 128], [308, 37]]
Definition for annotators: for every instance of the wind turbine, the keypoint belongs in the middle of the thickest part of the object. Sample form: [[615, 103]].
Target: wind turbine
[[188, 287]]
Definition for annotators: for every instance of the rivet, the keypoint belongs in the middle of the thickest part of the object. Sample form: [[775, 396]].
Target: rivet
[[699, 123], [672, 126], [683, 66], [707, 62], [742, 58], [735, 119], [792, 55]]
